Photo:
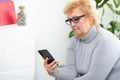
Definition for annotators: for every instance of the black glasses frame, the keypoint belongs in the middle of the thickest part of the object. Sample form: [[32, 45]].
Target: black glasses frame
[[74, 19]]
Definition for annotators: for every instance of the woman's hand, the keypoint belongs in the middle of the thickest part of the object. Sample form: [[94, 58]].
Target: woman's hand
[[50, 67]]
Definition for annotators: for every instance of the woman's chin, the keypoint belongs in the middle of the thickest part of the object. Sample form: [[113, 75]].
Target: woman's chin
[[76, 31], [79, 34]]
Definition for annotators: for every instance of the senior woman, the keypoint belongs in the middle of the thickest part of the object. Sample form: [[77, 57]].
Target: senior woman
[[93, 53]]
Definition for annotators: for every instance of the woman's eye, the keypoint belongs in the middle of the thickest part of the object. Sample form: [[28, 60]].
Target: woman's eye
[[75, 19]]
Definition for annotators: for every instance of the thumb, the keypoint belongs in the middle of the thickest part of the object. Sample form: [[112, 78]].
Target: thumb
[[46, 61]]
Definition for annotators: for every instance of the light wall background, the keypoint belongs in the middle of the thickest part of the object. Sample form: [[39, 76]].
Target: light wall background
[[46, 19]]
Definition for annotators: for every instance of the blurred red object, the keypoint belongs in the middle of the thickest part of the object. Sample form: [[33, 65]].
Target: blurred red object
[[4, 0], [7, 13]]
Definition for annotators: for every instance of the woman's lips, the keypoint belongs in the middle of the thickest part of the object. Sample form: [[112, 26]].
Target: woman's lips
[[75, 28]]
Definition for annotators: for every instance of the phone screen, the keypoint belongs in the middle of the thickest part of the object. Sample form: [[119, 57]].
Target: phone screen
[[45, 53]]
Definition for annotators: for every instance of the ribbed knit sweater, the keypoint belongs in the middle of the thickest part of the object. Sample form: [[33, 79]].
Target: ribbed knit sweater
[[94, 57]]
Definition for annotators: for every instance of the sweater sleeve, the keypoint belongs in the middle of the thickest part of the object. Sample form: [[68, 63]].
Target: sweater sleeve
[[104, 57], [68, 71]]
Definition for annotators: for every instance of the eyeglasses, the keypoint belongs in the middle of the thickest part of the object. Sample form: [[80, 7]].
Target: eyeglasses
[[74, 19]]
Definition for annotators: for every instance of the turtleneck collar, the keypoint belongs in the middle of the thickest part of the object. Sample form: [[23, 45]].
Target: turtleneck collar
[[91, 35]]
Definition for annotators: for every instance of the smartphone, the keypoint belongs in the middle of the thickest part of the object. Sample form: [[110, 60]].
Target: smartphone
[[45, 53]]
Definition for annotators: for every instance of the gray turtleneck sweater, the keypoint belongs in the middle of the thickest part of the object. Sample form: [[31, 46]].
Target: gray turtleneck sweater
[[94, 57]]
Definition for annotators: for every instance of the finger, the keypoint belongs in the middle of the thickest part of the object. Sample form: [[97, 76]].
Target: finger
[[52, 63], [54, 66], [46, 65], [45, 61]]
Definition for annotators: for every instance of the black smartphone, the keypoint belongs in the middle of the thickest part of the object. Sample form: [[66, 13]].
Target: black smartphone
[[45, 53]]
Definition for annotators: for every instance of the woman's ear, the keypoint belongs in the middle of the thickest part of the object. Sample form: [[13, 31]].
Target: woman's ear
[[91, 20]]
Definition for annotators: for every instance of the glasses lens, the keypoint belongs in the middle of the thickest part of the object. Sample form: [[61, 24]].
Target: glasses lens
[[68, 22], [75, 19]]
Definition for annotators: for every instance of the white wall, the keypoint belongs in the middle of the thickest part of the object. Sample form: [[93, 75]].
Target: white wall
[[51, 33], [46, 18]]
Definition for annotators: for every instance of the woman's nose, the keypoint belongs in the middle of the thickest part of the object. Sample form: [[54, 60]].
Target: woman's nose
[[72, 24]]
